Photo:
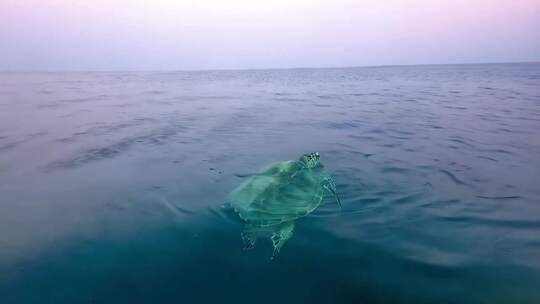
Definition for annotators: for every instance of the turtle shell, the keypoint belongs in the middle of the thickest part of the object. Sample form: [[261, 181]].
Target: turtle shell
[[283, 192]]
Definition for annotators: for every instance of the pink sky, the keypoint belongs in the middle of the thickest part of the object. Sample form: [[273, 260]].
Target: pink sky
[[208, 34]]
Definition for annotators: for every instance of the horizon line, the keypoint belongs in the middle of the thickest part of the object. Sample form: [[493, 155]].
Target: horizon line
[[267, 69]]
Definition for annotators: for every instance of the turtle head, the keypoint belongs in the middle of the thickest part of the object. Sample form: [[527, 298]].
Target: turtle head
[[310, 160]]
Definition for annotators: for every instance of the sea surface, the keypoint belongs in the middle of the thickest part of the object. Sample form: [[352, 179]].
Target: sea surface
[[114, 186]]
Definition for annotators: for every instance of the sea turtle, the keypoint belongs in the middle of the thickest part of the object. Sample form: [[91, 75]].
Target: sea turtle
[[270, 201]]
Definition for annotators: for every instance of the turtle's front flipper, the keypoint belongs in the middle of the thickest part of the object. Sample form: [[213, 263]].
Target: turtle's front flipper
[[281, 236], [330, 185]]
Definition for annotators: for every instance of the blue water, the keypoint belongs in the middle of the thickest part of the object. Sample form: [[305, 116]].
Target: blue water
[[113, 185]]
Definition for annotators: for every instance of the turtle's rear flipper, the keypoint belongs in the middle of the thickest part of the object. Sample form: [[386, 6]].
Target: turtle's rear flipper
[[281, 236], [249, 238], [249, 242]]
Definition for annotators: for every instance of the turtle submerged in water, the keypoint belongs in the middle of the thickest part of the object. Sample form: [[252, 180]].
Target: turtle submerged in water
[[270, 201]]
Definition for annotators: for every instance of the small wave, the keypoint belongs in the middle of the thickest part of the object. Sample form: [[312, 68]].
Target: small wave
[[342, 125], [462, 142], [487, 157], [325, 96], [322, 105], [289, 99], [83, 99], [440, 203], [244, 175], [368, 200], [50, 106], [499, 197], [500, 151], [453, 177], [508, 223], [178, 210], [409, 198], [11, 145], [154, 92], [395, 170]]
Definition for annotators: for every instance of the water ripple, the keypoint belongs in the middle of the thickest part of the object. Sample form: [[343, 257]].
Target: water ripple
[[438, 180], [159, 137]]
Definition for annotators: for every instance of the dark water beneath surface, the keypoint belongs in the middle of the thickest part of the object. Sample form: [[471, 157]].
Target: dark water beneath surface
[[112, 185]]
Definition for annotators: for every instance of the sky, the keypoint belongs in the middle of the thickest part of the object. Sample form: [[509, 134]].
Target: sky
[[51, 35]]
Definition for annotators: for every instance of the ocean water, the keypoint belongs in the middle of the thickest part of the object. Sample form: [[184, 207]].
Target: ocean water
[[113, 186]]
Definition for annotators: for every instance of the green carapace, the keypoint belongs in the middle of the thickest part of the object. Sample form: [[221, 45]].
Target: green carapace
[[269, 202]]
